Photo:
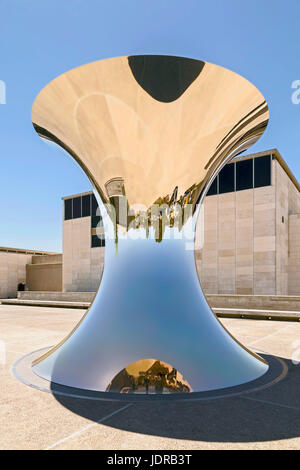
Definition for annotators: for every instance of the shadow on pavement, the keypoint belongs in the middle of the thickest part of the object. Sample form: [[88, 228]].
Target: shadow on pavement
[[265, 415]]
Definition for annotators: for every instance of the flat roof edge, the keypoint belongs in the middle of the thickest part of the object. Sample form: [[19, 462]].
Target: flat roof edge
[[27, 252], [278, 157], [86, 193]]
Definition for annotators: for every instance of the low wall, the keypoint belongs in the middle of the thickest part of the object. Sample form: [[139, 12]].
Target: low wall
[[44, 277], [46, 259], [57, 296], [257, 302]]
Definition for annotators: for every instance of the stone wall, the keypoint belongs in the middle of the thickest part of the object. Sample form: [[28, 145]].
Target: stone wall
[[246, 239], [255, 302], [282, 234], [44, 277], [238, 256], [244, 229], [293, 241], [264, 241], [12, 272], [294, 255], [82, 265]]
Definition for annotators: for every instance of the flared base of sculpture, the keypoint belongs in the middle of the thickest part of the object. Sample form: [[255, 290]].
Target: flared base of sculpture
[[150, 330], [22, 370]]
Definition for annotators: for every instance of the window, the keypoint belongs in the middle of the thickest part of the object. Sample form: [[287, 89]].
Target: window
[[262, 171], [68, 209], [94, 206], [86, 205], [96, 221], [81, 206], [76, 207], [226, 179], [244, 174], [213, 187], [98, 241]]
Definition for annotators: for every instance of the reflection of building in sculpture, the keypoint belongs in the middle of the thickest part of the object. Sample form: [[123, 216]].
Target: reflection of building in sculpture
[[254, 204], [149, 376]]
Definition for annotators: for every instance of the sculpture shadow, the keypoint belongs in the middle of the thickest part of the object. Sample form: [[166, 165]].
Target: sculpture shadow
[[264, 415]]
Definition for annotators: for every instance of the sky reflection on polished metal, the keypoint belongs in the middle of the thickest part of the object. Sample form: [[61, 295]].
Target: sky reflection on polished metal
[[151, 132]]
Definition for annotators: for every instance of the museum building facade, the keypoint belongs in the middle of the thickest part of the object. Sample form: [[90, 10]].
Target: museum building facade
[[250, 238], [247, 237]]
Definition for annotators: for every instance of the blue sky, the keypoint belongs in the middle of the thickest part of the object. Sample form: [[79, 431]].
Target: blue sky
[[40, 40]]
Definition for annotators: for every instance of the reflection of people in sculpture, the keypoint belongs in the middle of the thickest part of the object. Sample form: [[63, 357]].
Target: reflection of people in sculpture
[[171, 377], [159, 375], [147, 384], [159, 383]]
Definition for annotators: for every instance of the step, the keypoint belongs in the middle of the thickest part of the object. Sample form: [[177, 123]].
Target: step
[[46, 303], [283, 315]]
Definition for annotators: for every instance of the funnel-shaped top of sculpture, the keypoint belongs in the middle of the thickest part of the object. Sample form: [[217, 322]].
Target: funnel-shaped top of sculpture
[[154, 122]]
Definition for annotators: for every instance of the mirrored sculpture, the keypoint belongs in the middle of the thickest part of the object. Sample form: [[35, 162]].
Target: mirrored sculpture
[[151, 133]]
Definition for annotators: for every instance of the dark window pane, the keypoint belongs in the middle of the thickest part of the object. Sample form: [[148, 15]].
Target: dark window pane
[[76, 207], [262, 171], [244, 174], [226, 179], [94, 205], [213, 187], [95, 241], [98, 240], [86, 205], [68, 209], [96, 221]]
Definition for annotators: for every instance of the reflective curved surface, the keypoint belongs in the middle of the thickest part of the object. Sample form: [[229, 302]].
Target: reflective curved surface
[[151, 132], [149, 376]]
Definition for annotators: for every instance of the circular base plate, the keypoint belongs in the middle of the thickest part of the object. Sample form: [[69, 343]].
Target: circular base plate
[[22, 370]]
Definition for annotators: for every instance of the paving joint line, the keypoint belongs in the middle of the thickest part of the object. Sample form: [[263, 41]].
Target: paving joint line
[[280, 330], [86, 428], [270, 403]]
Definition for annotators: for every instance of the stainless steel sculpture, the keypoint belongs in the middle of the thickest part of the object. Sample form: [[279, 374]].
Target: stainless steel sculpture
[[151, 133]]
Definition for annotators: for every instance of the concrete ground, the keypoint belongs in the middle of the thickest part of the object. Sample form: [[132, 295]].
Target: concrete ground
[[31, 419]]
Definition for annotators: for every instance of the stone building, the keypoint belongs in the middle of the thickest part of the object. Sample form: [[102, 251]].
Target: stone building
[[251, 216], [251, 226], [20, 268], [83, 249]]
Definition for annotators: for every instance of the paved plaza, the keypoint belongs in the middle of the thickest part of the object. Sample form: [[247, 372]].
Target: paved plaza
[[32, 419]]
